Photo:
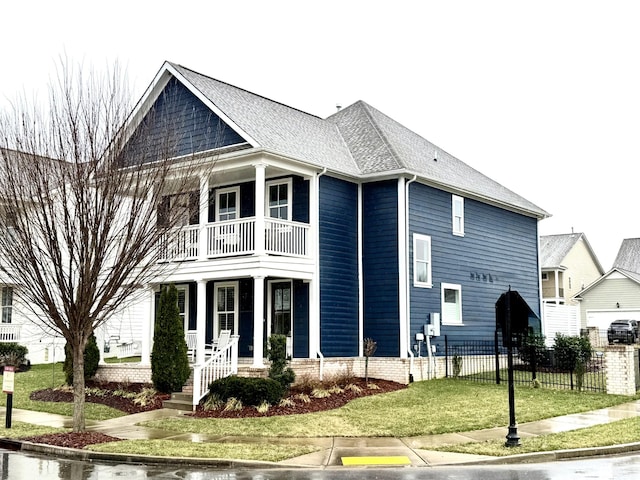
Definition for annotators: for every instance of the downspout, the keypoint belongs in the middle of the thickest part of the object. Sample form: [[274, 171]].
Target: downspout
[[408, 284], [316, 283]]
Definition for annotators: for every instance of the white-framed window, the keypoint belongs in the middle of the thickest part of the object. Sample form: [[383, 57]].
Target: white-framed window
[[422, 261], [278, 201], [227, 204], [183, 304], [457, 215], [226, 307], [7, 304], [545, 276], [451, 304], [180, 209]]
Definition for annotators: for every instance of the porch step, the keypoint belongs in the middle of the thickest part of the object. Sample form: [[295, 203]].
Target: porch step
[[179, 401]]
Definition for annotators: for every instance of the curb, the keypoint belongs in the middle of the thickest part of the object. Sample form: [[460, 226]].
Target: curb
[[86, 455]]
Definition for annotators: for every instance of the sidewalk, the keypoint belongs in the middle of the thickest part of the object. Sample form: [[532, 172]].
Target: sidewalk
[[339, 451]]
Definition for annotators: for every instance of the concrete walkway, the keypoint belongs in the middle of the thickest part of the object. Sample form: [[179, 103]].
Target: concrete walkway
[[333, 451]]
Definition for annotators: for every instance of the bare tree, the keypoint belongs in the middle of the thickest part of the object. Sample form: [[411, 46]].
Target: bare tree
[[83, 212]]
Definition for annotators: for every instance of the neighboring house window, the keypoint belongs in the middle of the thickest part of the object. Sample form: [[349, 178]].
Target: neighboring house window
[[545, 276], [226, 314], [421, 261], [7, 304], [278, 201], [227, 204], [457, 209], [451, 304]]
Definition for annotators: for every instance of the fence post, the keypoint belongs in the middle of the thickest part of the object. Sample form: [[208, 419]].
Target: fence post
[[446, 357], [497, 350], [534, 360]]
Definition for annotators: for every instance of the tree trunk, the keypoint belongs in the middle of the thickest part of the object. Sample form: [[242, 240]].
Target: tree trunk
[[78, 389]]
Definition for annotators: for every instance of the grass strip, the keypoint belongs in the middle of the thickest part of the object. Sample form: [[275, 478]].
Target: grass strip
[[615, 433], [175, 448]]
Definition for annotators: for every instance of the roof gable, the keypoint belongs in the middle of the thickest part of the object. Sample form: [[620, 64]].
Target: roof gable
[[191, 125], [628, 257]]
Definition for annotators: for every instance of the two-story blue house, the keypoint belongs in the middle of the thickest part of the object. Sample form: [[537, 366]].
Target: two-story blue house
[[331, 231]]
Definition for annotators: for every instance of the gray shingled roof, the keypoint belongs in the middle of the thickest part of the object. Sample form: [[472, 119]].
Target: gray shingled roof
[[628, 257], [357, 141], [554, 248]]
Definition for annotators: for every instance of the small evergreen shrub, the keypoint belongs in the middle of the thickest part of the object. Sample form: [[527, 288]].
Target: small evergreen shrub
[[533, 347], [249, 391], [277, 354], [572, 352], [91, 360], [169, 360], [13, 354]]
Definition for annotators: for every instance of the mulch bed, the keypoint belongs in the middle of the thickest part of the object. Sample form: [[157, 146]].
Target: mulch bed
[[116, 401], [336, 400]]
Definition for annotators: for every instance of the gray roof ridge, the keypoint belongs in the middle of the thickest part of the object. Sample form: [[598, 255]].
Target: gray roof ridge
[[367, 109], [178, 66]]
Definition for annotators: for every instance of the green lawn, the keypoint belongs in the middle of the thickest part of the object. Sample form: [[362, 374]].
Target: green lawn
[[429, 407], [50, 376]]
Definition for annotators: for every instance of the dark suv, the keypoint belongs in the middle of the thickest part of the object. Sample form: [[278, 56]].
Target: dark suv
[[623, 331]]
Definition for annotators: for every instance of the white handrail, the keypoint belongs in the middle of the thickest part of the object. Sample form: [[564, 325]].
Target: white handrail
[[222, 363]]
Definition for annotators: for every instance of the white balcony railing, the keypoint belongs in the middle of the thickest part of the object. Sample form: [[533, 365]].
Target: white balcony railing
[[237, 237], [9, 333], [286, 238], [233, 237], [181, 244]]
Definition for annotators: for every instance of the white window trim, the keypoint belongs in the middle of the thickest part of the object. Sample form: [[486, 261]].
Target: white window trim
[[185, 289], [289, 183], [429, 283], [457, 199], [8, 307], [235, 285], [451, 286], [545, 276], [222, 191]]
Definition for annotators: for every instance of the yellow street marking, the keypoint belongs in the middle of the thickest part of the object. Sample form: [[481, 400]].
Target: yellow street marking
[[399, 460]]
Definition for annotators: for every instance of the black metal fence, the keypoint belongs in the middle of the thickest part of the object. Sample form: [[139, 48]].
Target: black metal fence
[[486, 361]]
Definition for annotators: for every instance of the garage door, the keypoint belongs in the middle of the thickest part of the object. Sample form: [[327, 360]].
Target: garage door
[[602, 318]]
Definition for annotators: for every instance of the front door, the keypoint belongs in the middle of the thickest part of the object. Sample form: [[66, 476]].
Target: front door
[[281, 308]]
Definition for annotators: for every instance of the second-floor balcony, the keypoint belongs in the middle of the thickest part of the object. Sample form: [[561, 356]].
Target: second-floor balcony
[[236, 237]]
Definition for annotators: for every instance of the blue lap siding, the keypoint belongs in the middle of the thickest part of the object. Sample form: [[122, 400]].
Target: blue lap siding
[[338, 267], [193, 128], [380, 266], [498, 251]]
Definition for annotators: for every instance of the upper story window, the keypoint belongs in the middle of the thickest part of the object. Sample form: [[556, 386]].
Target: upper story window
[[422, 261], [278, 201], [6, 305], [451, 304], [227, 204], [457, 215], [545, 276], [179, 209]]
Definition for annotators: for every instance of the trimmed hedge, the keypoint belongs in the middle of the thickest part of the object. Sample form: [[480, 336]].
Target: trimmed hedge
[[250, 391]]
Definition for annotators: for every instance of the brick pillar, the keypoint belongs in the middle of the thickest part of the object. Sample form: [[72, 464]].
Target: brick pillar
[[621, 369]]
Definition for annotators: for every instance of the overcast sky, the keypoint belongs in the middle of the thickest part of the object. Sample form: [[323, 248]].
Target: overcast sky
[[542, 96]]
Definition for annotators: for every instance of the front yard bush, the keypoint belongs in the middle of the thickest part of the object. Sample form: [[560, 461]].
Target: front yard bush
[[250, 391], [13, 354], [571, 352]]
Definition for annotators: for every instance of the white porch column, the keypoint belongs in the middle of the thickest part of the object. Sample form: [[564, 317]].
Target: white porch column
[[201, 320], [258, 322], [557, 292], [260, 192], [147, 330], [203, 216]]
